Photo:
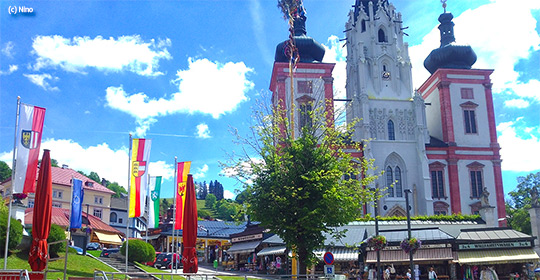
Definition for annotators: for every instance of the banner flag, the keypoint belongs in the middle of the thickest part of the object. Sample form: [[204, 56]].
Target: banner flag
[[76, 204], [153, 210], [140, 160], [181, 181], [28, 141]]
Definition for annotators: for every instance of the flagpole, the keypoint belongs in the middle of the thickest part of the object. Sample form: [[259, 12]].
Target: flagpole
[[129, 194], [148, 198], [71, 210], [12, 181], [175, 189]]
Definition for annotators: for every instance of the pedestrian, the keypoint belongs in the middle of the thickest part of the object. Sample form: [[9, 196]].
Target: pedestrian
[[431, 274], [371, 273], [416, 272], [408, 274], [386, 273]]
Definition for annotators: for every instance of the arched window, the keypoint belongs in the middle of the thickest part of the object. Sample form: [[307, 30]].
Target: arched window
[[382, 36], [398, 183], [114, 217], [363, 25], [389, 181], [391, 134]]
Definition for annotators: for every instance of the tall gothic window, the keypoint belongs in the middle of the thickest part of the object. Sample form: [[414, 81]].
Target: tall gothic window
[[398, 183], [394, 183], [436, 170], [391, 132], [382, 36], [389, 181]]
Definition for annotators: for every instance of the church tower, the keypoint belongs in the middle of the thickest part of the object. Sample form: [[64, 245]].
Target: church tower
[[389, 113], [464, 159], [312, 82]]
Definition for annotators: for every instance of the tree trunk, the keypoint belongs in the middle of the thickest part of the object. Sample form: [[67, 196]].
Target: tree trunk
[[302, 257]]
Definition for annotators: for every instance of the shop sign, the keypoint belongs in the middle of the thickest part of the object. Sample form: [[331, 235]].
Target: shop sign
[[424, 246], [247, 238], [494, 245]]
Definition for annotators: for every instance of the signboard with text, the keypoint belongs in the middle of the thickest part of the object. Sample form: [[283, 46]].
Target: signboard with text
[[495, 245]]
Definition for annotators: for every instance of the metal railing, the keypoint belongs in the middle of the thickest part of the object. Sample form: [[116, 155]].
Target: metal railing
[[103, 275], [54, 259]]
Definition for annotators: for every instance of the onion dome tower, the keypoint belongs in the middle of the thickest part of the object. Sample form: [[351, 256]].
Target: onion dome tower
[[308, 49], [449, 55]]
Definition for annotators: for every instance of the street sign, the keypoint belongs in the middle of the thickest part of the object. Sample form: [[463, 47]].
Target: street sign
[[329, 270], [328, 258]]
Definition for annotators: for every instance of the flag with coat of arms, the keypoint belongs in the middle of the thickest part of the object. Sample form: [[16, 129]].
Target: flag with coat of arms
[[139, 159]]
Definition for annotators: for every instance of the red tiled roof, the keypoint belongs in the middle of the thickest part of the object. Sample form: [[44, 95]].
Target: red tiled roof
[[62, 176], [60, 216]]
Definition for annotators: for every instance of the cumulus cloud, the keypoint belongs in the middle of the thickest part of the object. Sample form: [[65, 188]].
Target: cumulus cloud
[[203, 131], [41, 81], [129, 53], [109, 163], [12, 68], [518, 153], [7, 50], [517, 103], [228, 194], [201, 172], [336, 53], [228, 88]]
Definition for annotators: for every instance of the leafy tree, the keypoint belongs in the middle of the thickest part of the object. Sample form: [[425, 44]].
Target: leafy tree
[[163, 207], [119, 190], [5, 171], [227, 209], [82, 172], [15, 231], [204, 214], [54, 162], [210, 201], [57, 233], [521, 200], [94, 176], [241, 197], [299, 190], [139, 251]]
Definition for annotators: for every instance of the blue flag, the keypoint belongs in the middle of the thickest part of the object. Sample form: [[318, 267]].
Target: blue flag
[[76, 204]]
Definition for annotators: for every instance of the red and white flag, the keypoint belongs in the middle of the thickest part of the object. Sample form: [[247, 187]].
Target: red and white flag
[[29, 133], [140, 159]]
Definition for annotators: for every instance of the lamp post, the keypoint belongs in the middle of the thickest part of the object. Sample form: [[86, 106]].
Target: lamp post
[[376, 209], [86, 230], [407, 192]]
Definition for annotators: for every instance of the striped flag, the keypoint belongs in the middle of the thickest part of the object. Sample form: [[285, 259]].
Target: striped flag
[[31, 120], [181, 181], [153, 214], [140, 159]]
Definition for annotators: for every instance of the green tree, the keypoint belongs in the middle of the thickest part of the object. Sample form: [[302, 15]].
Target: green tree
[[5, 171], [15, 231], [210, 201], [119, 190], [163, 207], [517, 207], [299, 190], [94, 176], [54, 162], [139, 251], [227, 209], [56, 233]]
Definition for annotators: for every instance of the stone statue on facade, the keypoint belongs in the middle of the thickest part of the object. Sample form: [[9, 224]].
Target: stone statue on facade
[[484, 198]]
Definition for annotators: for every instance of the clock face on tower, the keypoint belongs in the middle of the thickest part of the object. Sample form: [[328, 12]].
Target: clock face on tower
[[386, 75]]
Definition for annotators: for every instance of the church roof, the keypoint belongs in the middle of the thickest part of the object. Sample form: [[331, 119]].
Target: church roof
[[434, 142], [309, 50]]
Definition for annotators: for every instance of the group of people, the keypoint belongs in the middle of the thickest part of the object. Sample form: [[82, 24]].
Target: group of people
[[390, 273]]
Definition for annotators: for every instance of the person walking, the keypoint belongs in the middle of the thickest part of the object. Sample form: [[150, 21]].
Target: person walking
[[386, 273], [408, 274], [431, 274]]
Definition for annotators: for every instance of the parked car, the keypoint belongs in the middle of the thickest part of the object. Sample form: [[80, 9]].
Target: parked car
[[165, 260], [151, 263], [106, 252], [78, 249], [93, 246]]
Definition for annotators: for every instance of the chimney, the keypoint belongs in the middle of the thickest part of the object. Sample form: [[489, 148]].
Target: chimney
[[65, 166]]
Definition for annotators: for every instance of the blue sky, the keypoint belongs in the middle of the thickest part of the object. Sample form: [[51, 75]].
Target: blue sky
[[183, 72]]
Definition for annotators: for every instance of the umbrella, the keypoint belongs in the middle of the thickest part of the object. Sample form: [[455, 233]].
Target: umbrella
[[41, 224], [189, 229]]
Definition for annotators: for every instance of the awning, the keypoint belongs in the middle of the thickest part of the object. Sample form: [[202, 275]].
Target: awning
[[279, 250], [108, 238], [340, 254], [393, 256], [497, 256], [244, 247]]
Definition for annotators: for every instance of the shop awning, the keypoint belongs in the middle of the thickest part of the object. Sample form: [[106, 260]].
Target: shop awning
[[278, 250], [497, 256], [108, 238], [340, 254], [393, 256], [244, 247]]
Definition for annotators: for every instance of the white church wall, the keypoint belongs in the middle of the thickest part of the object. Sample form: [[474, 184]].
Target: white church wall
[[433, 115]]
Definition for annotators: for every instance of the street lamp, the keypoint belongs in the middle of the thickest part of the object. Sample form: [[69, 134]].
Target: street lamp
[[407, 192], [376, 209]]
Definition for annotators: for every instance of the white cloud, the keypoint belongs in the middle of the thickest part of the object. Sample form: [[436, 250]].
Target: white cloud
[[12, 68], [201, 172], [518, 154], [129, 53], [203, 131], [257, 14], [228, 194], [7, 50], [41, 81], [205, 87], [109, 163], [517, 103], [336, 53]]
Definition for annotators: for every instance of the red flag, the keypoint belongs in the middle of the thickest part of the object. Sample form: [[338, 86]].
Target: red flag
[[181, 179], [41, 224], [189, 231], [31, 120], [140, 159]]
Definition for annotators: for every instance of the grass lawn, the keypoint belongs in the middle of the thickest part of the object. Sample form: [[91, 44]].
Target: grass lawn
[[78, 265], [94, 253], [157, 271]]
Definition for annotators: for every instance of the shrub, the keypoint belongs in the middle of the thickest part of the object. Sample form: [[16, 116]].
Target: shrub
[[57, 233], [15, 232], [139, 251]]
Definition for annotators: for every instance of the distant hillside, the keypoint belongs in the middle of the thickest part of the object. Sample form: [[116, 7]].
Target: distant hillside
[[200, 206]]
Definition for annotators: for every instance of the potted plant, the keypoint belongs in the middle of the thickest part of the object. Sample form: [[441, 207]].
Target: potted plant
[[410, 245], [377, 242]]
